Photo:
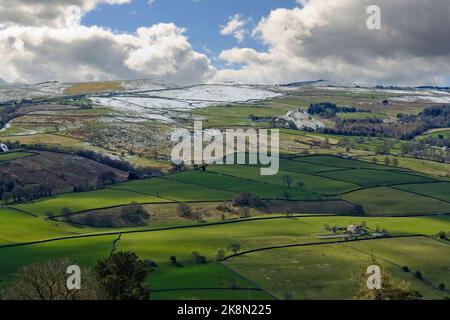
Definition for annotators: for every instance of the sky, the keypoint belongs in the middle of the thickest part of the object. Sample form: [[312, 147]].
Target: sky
[[202, 19], [405, 42]]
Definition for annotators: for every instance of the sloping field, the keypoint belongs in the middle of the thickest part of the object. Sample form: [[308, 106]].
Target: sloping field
[[175, 191], [4, 157], [328, 271], [440, 190], [19, 227], [61, 172], [340, 162], [317, 184], [372, 178], [389, 201], [86, 201], [304, 167], [91, 87], [236, 185], [207, 240]]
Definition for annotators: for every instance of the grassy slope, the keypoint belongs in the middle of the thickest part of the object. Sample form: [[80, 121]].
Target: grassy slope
[[312, 183], [385, 201], [371, 178], [160, 245], [328, 272], [440, 190], [86, 201], [19, 227]]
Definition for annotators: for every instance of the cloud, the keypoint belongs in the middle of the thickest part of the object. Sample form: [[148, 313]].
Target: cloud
[[330, 39], [235, 27], [56, 13], [71, 52]]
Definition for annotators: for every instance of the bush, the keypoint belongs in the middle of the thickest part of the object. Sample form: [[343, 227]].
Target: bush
[[405, 269], [442, 286], [358, 210], [242, 199], [199, 258], [418, 275], [134, 214], [184, 210], [442, 235]]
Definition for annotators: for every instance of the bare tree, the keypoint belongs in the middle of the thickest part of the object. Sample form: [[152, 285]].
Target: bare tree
[[47, 281]]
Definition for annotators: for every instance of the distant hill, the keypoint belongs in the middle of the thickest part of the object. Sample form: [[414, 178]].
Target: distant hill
[[3, 82], [305, 83]]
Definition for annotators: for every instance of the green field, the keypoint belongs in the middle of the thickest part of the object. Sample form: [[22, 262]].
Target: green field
[[313, 183], [236, 185], [322, 271], [160, 245], [337, 162], [328, 272], [389, 201], [86, 201], [440, 190], [9, 156], [19, 227], [372, 178], [175, 191]]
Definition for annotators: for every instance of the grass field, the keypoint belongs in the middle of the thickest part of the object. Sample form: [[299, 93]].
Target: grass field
[[175, 191], [372, 178], [389, 201], [338, 162], [14, 155], [322, 271], [313, 183], [236, 185], [160, 245], [433, 168], [86, 201], [18, 227], [328, 272], [440, 190]]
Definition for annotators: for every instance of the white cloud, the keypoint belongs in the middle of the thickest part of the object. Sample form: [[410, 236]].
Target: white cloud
[[56, 13], [329, 39], [235, 27], [71, 52]]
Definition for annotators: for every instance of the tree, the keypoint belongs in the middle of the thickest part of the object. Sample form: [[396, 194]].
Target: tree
[[358, 210], [235, 247], [66, 213], [220, 254], [134, 213], [108, 177], [121, 276], [390, 290], [375, 160], [49, 215], [286, 195], [418, 275], [174, 261], [387, 161], [395, 162], [5, 198], [199, 258], [287, 180], [47, 281], [442, 235], [300, 185], [242, 199], [184, 210]]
